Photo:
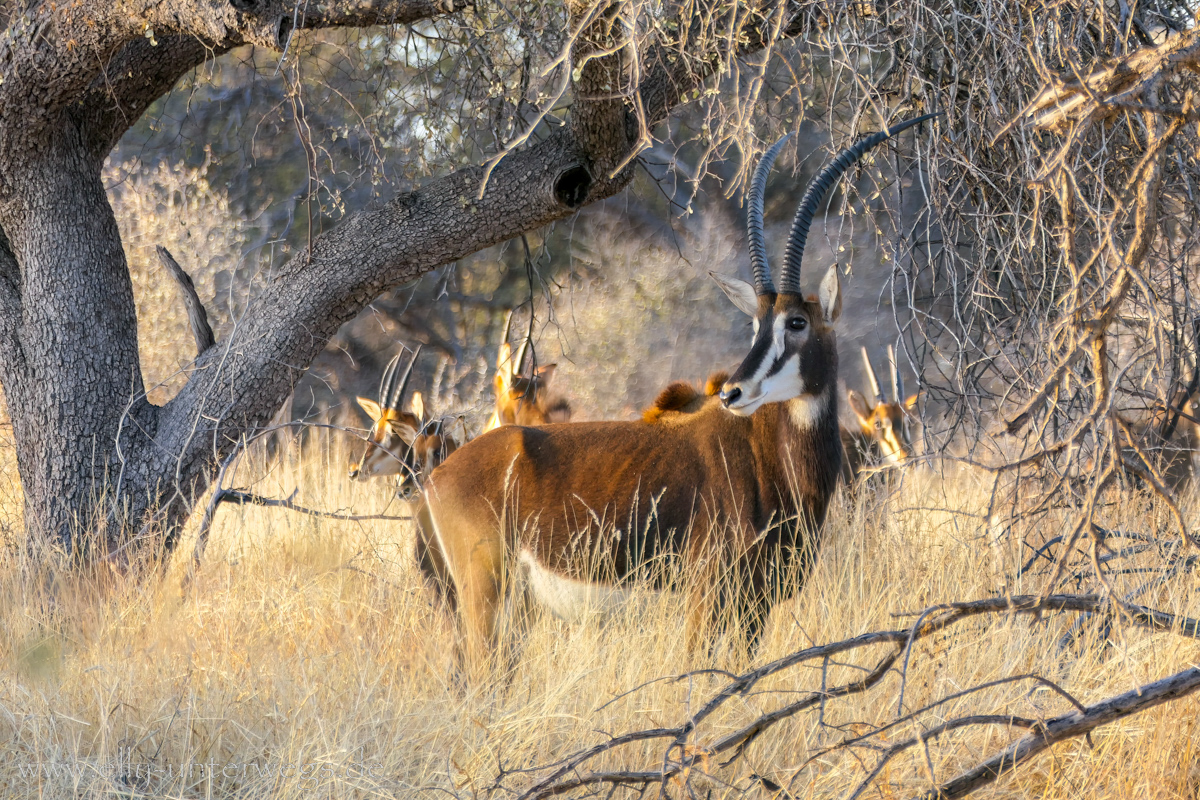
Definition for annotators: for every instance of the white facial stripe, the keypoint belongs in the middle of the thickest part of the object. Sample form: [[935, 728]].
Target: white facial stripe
[[773, 355], [785, 383]]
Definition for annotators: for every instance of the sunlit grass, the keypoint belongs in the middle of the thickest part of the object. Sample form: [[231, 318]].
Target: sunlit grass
[[313, 643]]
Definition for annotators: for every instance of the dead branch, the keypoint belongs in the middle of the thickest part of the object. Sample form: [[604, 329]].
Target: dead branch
[[221, 494], [197, 316], [248, 498], [1069, 726], [566, 775]]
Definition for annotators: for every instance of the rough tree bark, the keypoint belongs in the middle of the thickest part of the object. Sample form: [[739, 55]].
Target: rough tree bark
[[93, 454]]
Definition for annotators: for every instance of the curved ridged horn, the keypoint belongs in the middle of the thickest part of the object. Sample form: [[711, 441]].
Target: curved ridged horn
[[897, 383], [520, 358], [508, 324], [398, 397], [873, 378], [789, 277], [389, 378], [754, 220]]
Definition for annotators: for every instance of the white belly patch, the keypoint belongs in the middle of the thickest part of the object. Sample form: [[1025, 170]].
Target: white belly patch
[[569, 599]]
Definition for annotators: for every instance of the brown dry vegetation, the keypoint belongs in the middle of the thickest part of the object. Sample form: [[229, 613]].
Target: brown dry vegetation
[[313, 642]]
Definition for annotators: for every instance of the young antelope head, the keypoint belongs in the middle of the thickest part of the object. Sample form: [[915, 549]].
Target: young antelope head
[[886, 423], [522, 392], [401, 443]]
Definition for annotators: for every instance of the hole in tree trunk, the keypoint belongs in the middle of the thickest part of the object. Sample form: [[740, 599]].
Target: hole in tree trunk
[[572, 186], [244, 5], [285, 30]]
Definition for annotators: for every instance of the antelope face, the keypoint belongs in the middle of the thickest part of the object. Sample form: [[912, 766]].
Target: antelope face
[[390, 445], [886, 424], [794, 353], [517, 397]]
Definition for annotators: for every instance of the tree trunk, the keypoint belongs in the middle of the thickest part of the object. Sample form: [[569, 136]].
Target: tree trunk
[[75, 379]]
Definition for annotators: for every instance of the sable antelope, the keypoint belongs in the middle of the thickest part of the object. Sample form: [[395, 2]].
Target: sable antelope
[[577, 508], [523, 392], [883, 428]]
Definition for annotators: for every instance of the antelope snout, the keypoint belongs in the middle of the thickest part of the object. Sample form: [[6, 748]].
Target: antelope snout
[[354, 473], [730, 396]]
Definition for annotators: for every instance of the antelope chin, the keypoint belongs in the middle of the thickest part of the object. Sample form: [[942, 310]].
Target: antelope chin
[[743, 407]]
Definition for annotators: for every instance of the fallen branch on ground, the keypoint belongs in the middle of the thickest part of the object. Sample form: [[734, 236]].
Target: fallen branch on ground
[[684, 759]]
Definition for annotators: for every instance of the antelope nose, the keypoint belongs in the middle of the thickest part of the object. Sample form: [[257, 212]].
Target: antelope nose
[[353, 473], [730, 395]]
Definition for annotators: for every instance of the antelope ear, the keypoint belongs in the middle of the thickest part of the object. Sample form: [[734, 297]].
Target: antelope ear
[[830, 294], [858, 404], [544, 374], [407, 433], [741, 293], [418, 406], [371, 407], [911, 402]]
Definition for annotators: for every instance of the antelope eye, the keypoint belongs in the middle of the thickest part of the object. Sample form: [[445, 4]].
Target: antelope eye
[[797, 323]]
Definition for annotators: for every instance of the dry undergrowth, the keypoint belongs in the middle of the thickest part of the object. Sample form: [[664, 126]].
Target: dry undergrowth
[[307, 660]]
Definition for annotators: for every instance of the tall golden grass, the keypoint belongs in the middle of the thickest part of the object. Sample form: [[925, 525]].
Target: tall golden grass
[[306, 658]]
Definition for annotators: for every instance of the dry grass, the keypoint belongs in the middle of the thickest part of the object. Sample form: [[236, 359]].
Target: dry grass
[[313, 643]]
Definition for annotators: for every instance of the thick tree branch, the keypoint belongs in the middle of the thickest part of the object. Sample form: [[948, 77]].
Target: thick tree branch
[[368, 12], [55, 54], [312, 295]]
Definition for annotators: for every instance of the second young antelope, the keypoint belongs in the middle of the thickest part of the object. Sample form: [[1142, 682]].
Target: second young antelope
[[882, 435], [523, 391], [742, 480], [407, 444]]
